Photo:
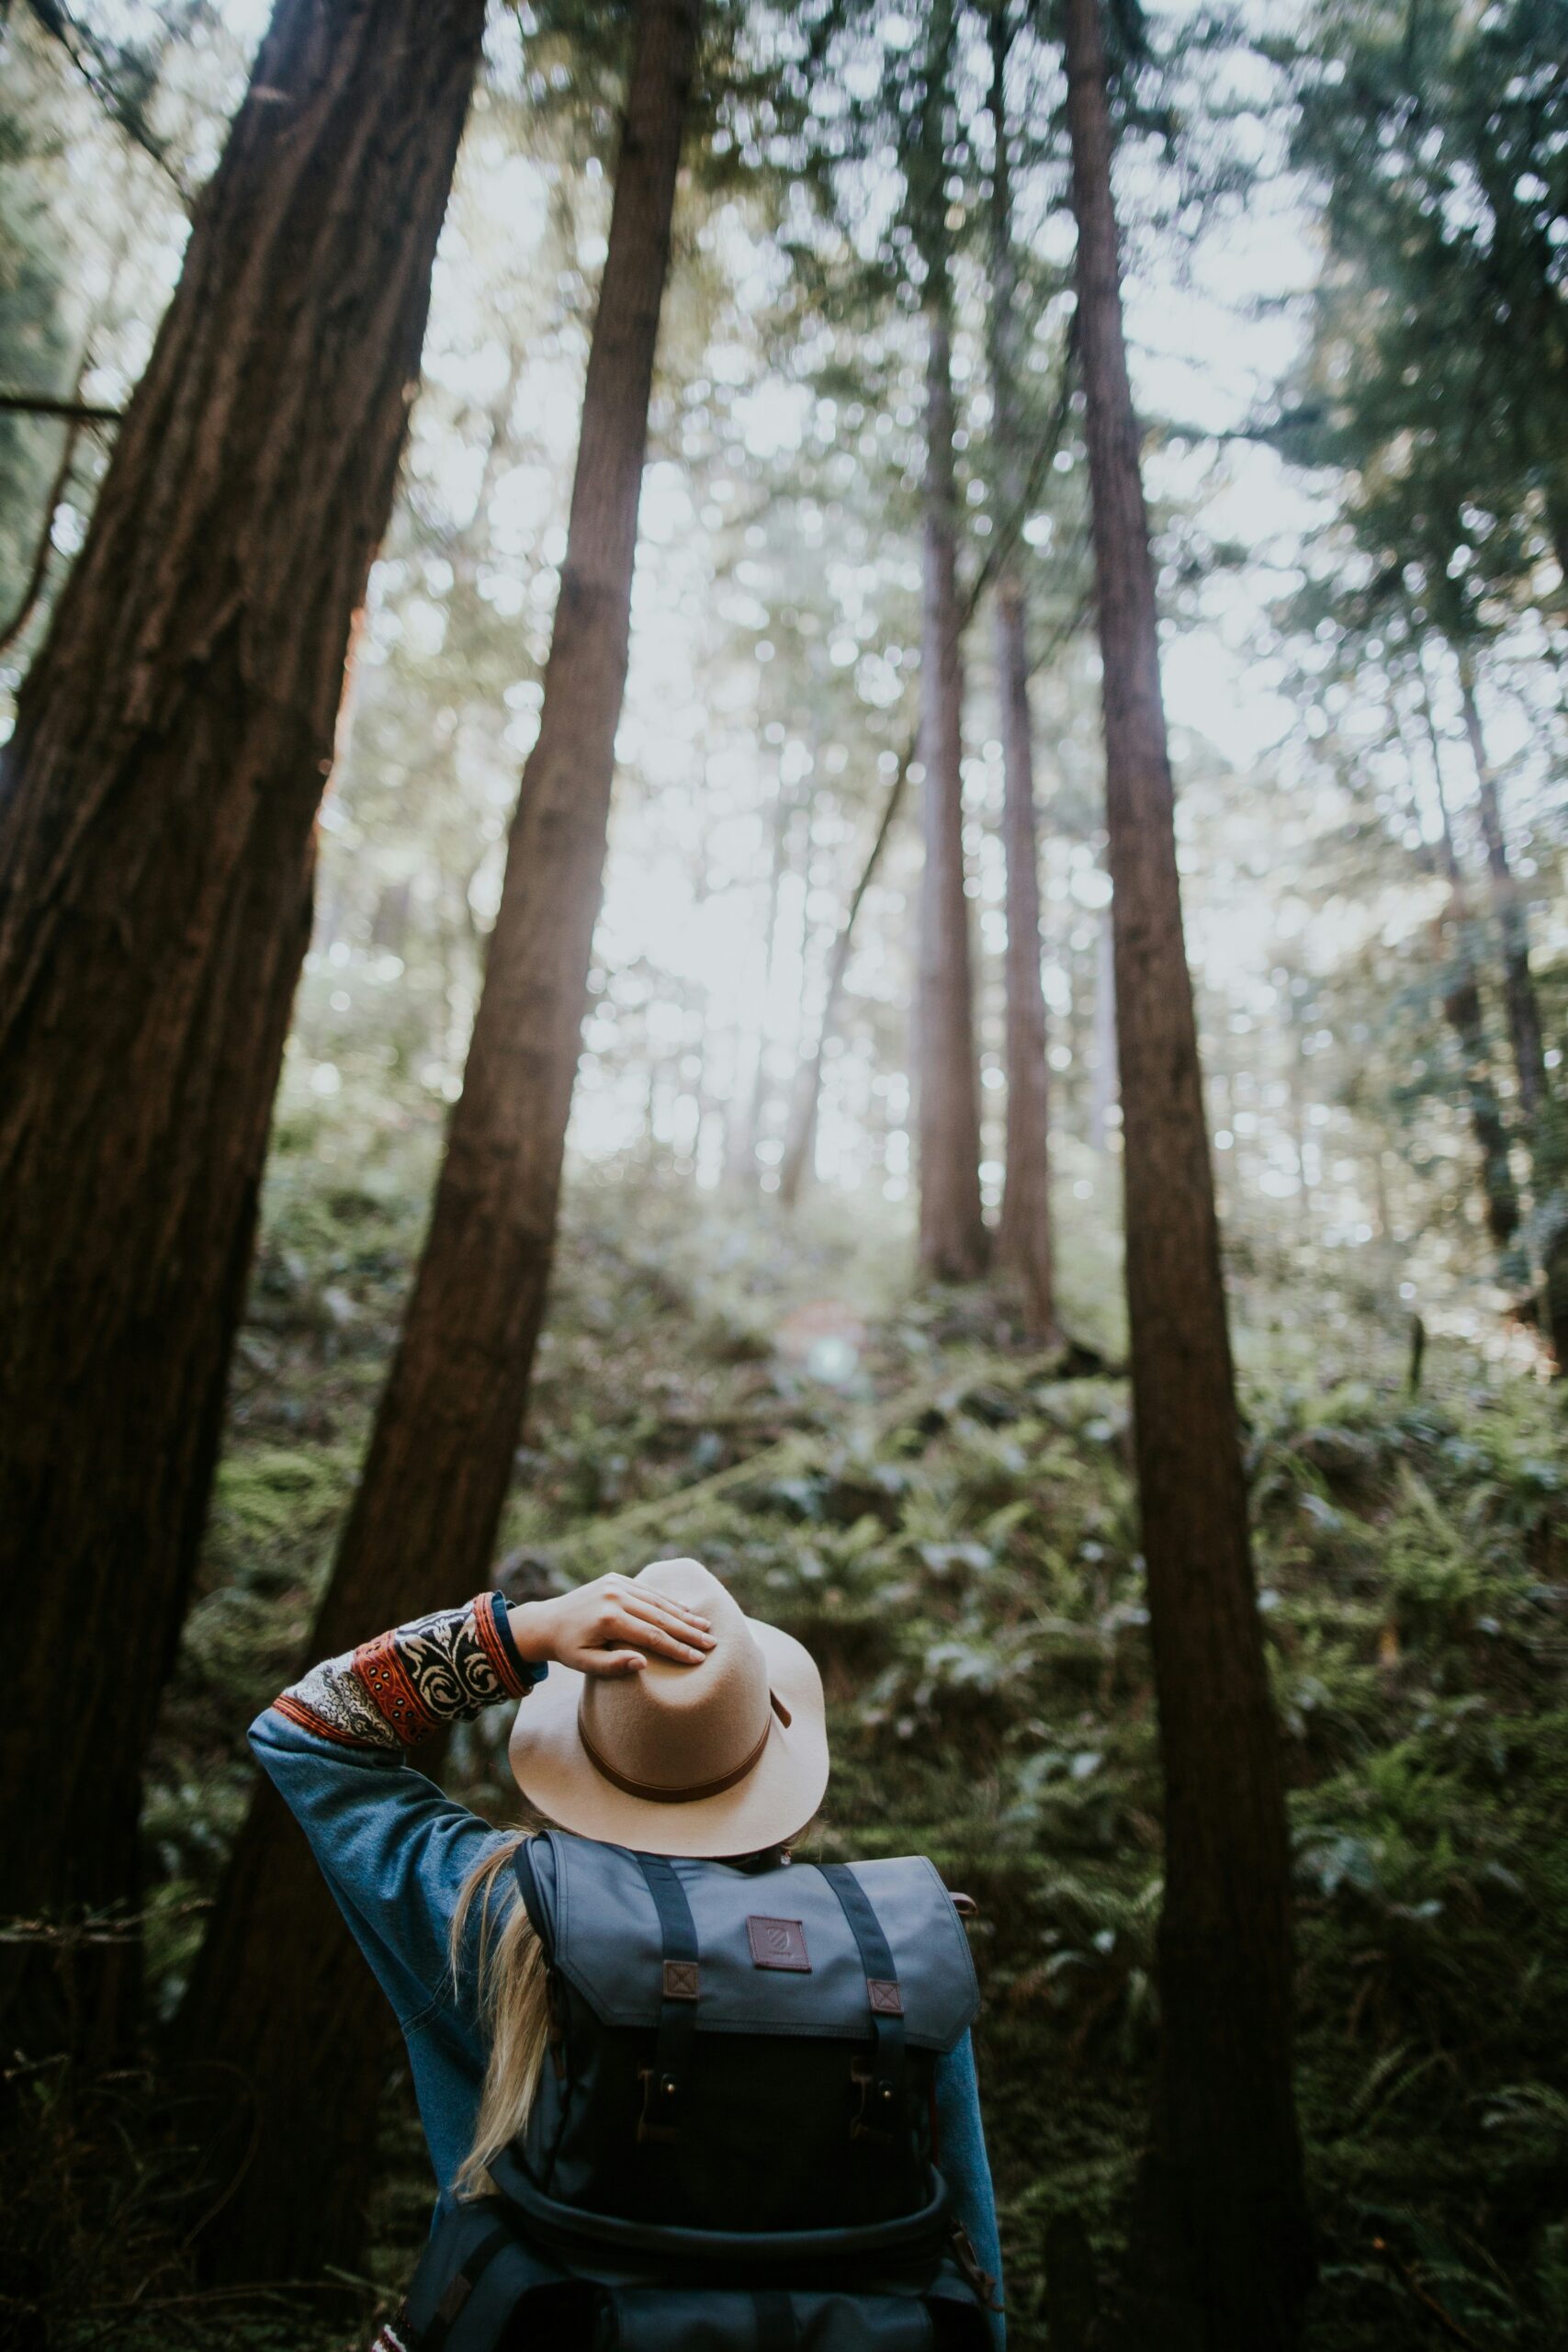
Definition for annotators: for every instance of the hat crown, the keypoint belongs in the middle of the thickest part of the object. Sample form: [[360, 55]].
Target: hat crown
[[680, 1731]]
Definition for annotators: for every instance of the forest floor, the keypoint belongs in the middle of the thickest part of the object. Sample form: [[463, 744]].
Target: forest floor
[[947, 1520]]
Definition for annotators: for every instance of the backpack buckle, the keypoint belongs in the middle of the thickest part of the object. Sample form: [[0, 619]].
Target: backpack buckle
[[877, 2110], [973, 2268], [660, 2106]]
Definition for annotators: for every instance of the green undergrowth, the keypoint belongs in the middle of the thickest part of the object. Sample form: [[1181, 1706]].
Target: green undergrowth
[[948, 1522]]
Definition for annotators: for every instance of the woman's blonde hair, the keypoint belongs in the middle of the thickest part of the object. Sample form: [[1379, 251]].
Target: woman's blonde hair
[[515, 2005]]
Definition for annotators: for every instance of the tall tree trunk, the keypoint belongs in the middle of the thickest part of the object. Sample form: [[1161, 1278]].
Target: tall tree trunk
[[1009, 526], [157, 806], [1545, 1113], [1463, 1012], [1102, 1083], [1222, 2235], [953, 1237], [809, 1082], [1023, 1231], [1518, 983], [799, 1156], [280, 1996], [741, 1148]]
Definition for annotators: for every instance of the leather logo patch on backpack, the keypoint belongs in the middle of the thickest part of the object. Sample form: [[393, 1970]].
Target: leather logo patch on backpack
[[778, 1943]]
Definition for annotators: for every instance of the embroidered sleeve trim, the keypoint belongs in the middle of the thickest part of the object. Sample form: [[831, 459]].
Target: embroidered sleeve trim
[[396, 1689], [518, 1675], [309, 1720], [391, 1691], [332, 1702]]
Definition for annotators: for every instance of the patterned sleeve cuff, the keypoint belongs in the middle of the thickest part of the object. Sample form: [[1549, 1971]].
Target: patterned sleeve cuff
[[398, 1688]]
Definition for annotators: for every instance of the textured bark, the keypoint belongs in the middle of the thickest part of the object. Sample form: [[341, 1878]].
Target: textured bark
[[157, 806], [953, 1237], [280, 1996], [1220, 2254], [1023, 1231], [1518, 983], [1545, 1113]]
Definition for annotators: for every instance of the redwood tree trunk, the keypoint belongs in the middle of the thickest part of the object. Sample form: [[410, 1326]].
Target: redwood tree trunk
[[1518, 982], [1545, 1113], [953, 1237], [281, 1995], [157, 806], [1221, 2241], [1023, 1233]]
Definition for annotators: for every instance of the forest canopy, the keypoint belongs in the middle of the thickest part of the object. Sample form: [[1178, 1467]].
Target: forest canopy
[[782, 778]]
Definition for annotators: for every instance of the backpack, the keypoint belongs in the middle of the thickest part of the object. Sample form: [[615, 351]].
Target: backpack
[[732, 2148]]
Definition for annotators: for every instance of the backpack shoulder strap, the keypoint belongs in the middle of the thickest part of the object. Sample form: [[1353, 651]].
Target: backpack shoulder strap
[[533, 1901], [882, 2087], [680, 1991]]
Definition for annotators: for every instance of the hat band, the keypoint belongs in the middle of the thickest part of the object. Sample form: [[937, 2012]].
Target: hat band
[[690, 1795]]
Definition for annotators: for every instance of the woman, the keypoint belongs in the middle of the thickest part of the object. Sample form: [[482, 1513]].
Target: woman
[[672, 1725]]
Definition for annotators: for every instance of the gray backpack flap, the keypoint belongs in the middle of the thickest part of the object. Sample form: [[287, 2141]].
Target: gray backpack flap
[[741, 2048]]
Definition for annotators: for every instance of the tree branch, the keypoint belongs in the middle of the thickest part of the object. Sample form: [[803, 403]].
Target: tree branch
[[72, 412], [28, 601]]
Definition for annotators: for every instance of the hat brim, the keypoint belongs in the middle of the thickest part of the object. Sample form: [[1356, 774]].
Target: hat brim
[[777, 1797]]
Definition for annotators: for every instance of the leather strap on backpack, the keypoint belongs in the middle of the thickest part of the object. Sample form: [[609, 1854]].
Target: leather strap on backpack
[[663, 2081], [882, 2085], [533, 1901]]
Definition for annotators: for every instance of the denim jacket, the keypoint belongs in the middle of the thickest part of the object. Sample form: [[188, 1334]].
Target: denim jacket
[[396, 1852]]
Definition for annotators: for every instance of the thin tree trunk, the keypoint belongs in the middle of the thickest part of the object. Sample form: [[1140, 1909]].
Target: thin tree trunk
[[1222, 2235], [953, 1237], [1463, 1012], [1518, 983], [33, 586], [1001, 544], [280, 1994], [157, 806], [742, 1154], [1545, 1111], [799, 1156], [1295, 1097], [1103, 1083], [1024, 1230], [809, 1082], [74, 412]]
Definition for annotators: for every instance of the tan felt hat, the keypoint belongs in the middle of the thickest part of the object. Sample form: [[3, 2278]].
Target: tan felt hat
[[726, 1757]]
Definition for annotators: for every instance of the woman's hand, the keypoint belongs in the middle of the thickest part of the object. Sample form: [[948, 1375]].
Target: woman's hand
[[610, 1626]]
